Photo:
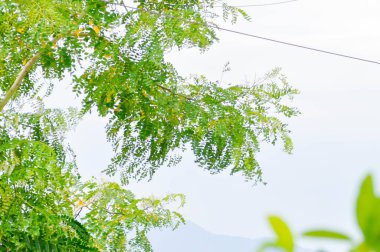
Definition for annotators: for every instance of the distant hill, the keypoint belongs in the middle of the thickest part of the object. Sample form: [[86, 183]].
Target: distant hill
[[192, 238]]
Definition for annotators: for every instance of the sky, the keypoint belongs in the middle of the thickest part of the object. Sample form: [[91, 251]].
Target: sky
[[336, 137]]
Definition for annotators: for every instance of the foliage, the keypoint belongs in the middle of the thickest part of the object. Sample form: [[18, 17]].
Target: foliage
[[45, 207], [120, 220], [367, 216], [284, 241], [114, 57]]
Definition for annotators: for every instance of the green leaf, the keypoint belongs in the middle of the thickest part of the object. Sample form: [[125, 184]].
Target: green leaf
[[284, 234], [368, 213], [364, 204], [327, 234], [362, 247]]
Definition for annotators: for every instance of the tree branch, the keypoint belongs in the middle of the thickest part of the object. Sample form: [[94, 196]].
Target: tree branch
[[172, 92], [24, 71], [17, 83]]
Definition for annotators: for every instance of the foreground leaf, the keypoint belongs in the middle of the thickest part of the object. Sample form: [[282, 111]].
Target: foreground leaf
[[327, 234]]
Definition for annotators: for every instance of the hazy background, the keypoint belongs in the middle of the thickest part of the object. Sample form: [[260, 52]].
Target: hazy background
[[336, 138]]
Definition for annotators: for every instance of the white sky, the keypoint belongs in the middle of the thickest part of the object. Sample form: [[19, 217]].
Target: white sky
[[336, 137]]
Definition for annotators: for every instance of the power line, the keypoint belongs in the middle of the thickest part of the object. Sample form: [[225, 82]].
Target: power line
[[259, 5], [296, 45], [280, 41], [219, 6]]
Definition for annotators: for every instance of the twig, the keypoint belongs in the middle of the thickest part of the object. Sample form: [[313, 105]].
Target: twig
[[171, 91]]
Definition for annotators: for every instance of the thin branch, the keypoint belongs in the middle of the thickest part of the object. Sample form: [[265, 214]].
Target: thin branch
[[172, 92], [25, 70], [17, 83]]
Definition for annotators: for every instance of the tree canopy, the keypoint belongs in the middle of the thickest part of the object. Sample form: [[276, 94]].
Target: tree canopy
[[113, 57], [46, 207]]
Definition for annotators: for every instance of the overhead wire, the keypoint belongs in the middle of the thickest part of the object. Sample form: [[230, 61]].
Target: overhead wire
[[297, 45], [258, 5], [234, 6], [284, 42]]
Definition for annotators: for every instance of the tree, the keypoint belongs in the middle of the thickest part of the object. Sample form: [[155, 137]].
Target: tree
[[45, 207], [114, 57]]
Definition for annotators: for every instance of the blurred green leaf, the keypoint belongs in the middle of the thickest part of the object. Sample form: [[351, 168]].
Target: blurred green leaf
[[364, 205], [362, 248], [368, 213], [327, 234], [284, 235]]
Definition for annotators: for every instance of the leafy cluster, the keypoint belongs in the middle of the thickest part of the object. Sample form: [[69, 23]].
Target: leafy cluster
[[35, 181], [120, 221], [223, 126], [45, 207]]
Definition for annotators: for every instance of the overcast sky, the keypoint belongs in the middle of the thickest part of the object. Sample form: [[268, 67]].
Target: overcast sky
[[336, 138]]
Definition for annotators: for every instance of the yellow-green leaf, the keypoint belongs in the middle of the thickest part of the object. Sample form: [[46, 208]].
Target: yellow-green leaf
[[284, 235]]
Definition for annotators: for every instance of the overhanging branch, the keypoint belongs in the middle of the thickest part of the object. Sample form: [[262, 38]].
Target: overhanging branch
[[24, 71], [17, 83], [171, 91]]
